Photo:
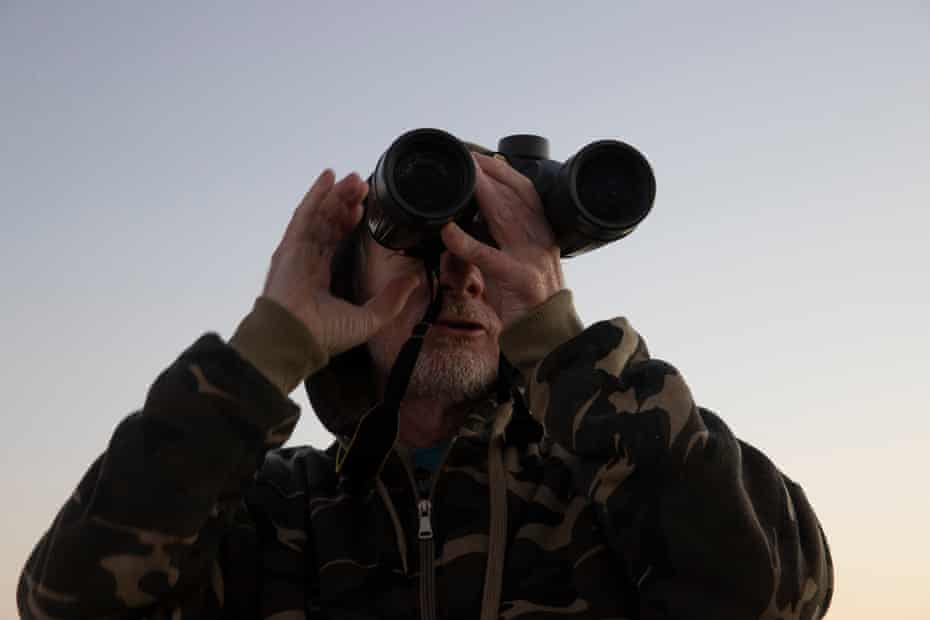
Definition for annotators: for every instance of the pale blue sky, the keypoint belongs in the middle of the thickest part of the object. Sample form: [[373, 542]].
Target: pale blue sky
[[152, 155]]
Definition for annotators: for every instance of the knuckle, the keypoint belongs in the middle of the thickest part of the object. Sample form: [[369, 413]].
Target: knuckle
[[524, 184]]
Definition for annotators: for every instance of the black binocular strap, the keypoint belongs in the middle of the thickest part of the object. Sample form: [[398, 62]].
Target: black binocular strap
[[361, 460]]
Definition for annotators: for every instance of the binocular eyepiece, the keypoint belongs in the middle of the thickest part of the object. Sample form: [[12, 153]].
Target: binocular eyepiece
[[426, 179]]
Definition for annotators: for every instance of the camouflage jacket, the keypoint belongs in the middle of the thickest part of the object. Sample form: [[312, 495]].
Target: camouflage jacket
[[636, 503]]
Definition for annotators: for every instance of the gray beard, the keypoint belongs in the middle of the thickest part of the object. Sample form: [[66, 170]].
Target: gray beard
[[447, 370], [451, 374]]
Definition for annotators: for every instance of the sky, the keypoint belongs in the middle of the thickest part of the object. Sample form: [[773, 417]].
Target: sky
[[152, 155]]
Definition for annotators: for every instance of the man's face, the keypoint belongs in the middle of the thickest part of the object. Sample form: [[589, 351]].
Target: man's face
[[459, 357]]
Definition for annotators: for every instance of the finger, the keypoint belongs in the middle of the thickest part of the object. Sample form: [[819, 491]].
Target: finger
[[390, 300], [503, 172], [515, 215], [320, 188], [348, 214], [350, 189], [500, 207], [377, 312], [344, 197], [488, 192], [490, 261], [336, 213]]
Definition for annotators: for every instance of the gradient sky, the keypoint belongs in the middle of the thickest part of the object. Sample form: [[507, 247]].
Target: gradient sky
[[152, 155]]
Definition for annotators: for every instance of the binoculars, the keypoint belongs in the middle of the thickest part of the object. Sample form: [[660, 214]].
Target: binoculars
[[426, 179]]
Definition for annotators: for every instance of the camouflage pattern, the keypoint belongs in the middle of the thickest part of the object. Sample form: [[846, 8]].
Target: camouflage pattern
[[636, 504]]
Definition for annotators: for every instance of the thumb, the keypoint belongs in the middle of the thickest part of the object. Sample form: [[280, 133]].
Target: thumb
[[360, 323], [489, 260], [388, 303]]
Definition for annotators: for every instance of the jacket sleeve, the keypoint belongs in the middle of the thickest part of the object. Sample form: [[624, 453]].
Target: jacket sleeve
[[160, 524], [703, 524]]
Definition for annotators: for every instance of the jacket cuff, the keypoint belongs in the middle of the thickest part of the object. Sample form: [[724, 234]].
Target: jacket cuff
[[534, 336], [278, 344]]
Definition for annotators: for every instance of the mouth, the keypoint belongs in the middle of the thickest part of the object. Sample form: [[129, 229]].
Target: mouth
[[459, 326]]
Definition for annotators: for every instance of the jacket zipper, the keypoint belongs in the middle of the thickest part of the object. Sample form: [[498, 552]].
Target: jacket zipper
[[424, 489], [427, 553]]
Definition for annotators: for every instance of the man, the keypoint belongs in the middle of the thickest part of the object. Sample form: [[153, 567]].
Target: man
[[634, 502]]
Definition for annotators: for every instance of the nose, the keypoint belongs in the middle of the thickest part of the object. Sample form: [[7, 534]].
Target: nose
[[460, 276]]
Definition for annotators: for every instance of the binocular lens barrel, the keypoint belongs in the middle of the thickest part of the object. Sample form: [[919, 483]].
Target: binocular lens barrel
[[600, 195], [614, 185], [426, 178], [429, 179]]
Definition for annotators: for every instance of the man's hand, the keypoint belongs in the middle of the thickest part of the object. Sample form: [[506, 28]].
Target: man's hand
[[526, 270], [299, 276]]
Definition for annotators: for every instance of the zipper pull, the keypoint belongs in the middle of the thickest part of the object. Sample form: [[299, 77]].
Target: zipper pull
[[425, 510]]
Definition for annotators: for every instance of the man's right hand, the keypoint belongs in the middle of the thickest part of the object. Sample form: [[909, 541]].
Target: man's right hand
[[299, 277]]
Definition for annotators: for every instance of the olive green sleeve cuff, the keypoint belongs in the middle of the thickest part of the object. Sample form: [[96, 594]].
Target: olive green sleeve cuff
[[278, 344], [532, 337]]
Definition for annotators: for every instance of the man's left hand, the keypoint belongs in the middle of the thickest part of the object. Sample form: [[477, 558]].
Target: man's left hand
[[526, 270]]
